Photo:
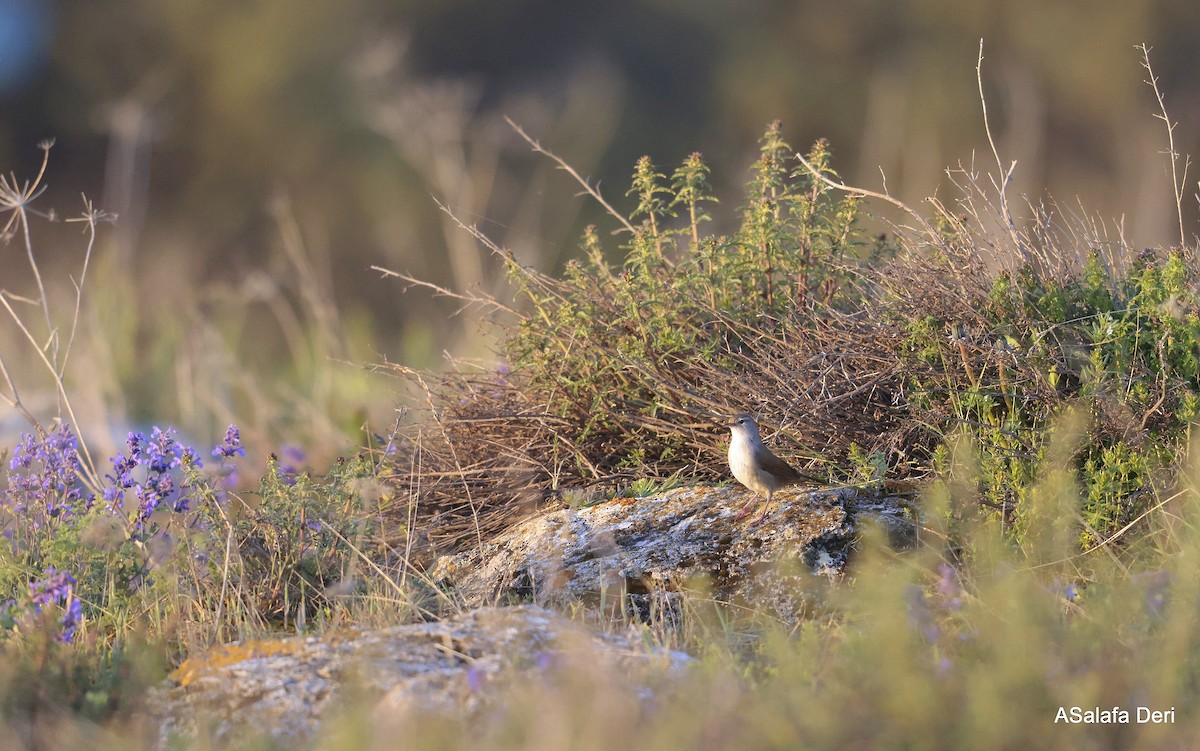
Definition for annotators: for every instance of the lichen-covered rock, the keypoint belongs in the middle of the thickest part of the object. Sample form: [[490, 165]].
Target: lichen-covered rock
[[641, 551], [285, 688]]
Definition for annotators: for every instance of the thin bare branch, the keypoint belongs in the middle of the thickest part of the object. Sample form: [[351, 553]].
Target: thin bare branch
[[468, 298], [588, 188], [863, 192], [90, 217], [1178, 182], [1005, 175], [91, 477]]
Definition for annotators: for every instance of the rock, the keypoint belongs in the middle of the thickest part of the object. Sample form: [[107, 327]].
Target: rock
[[640, 552], [891, 514], [286, 688], [628, 555]]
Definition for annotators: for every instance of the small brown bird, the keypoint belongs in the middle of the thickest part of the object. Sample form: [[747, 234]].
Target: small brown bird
[[754, 466]]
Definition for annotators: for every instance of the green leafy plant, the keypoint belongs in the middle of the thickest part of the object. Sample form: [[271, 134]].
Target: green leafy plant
[[302, 541]]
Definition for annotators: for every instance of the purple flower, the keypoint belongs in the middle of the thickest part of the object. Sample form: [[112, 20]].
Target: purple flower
[[114, 498], [289, 463], [24, 453], [156, 458], [920, 617], [44, 477], [53, 588], [232, 445], [949, 587], [475, 678], [229, 448], [58, 588], [148, 500], [162, 452], [123, 467]]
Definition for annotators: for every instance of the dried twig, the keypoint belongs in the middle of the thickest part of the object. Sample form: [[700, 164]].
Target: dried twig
[[1177, 181], [588, 188]]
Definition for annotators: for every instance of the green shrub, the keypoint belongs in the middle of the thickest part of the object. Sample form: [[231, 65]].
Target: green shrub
[[857, 349]]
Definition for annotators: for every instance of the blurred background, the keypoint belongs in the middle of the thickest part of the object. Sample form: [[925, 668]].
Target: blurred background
[[264, 154]]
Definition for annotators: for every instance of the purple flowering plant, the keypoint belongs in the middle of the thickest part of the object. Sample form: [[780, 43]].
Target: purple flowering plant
[[935, 612], [56, 591], [156, 527], [144, 477], [67, 547], [43, 490]]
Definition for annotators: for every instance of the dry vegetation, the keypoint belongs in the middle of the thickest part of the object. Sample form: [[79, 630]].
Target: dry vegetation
[[865, 353], [1038, 374]]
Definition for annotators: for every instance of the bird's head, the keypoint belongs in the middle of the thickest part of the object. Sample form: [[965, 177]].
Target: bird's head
[[744, 424]]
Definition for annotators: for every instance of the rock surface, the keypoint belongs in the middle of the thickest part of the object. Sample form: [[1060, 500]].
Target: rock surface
[[626, 555], [641, 552], [285, 688]]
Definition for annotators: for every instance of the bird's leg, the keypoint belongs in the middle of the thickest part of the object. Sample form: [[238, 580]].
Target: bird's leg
[[766, 507], [744, 511]]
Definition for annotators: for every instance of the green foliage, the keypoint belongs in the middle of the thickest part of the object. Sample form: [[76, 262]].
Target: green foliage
[[869, 468], [692, 190], [85, 682], [595, 344], [648, 486], [1018, 348], [301, 539], [1117, 488]]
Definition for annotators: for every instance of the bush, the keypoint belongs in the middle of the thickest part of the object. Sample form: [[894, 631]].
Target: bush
[[615, 375], [866, 353]]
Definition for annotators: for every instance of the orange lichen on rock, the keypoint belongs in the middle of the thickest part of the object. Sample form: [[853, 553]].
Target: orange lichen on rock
[[232, 654]]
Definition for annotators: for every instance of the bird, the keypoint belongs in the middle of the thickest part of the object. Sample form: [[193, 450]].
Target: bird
[[753, 464]]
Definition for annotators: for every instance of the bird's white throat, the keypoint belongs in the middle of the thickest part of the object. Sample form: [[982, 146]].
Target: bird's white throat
[[742, 464]]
